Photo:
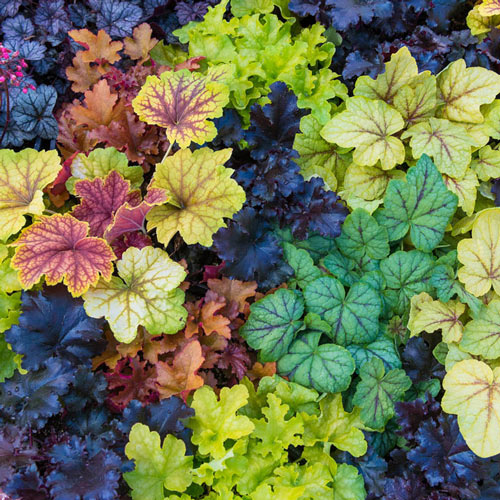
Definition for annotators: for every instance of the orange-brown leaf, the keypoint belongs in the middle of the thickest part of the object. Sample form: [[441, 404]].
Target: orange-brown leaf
[[139, 46], [98, 47], [82, 74], [234, 290], [203, 319]]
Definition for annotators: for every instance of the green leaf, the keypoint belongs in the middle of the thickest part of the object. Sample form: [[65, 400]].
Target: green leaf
[[348, 484], [487, 165], [383, 348], [240, 8], [215, 421], [481, 336], [446, 143], [273, 323], [354, 318], [377, 392], [406, 274], [302, 264], [368, 126], [421, 205], [156, 467], [326, 367], [361, 235]]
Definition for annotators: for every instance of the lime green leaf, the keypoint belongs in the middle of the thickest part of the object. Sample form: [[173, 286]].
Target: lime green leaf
[[382, 347], [275, 432], [482, 334], [399, 71], [273, 323], [200, 194], [377, 392], [479, 24], [145, 293], [428, 315], [215, 421], [454, 355], [361, 235], [302, 264], [354, 318], [489, 8], [99, 163], [487, 165], [240, 8], [156, 467], [448, 144], [9, 281], [463, 90], [421, 205], [480, 255], [465, 189], [10, 309], [472, 392], [325, 367], [368, 126], [335, 425], [348, 484]]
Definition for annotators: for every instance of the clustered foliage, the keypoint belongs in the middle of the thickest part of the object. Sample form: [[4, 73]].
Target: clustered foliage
[[250, 250]]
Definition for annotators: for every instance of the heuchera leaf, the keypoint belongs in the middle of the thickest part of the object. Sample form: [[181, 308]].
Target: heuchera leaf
[[141, 43], [302, 264], [480, 255], [200, 194], [421, 204], [23, 175], [59, 248], [377, 392], [216, 421], [144, 293], [472, 392], [325, 367], [156, 466], [98, 47], [273, 323], [489, 8], [182, 102], [463, 90], [368, 127]]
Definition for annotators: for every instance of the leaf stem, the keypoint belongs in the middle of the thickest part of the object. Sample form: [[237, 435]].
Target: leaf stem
[[49, 211], [168, 152]]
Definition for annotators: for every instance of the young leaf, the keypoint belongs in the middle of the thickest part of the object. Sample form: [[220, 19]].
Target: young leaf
[[59, 248], [216, 421], [463, 90], [156, 467], [23, 175], [200, 194], [368, 126], [145, 293], [325, 367], [182, 102], [273, 323], [482, 334], [480, 255], [472, 392], [377, 392], [421, 204]]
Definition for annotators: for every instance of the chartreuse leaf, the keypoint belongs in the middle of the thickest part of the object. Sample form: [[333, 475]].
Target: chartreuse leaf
[[144, 293], [200, 194], [480, 255], [362, 236], [325, 367], [428, 315], [182, 102], [472, 392], [368, 127], [302, 264], [10, 309], [273, 323], [489, 8], [465, 190], [59, 248], [377, 392], [354, 317], [8, 276], [156, 467], [399, 71], [487, 164], [348, 484], [101, 162], [482, 334], [335, 425], [479, 24], [421, 205], [23, 176], [463, 90], [215, 420], [446, 143]]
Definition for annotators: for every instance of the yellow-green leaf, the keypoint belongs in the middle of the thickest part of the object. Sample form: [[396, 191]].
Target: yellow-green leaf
[[480, 24], [428, 315], [489, 8], [472, 392], [465, 189], [482, 334], [145, 293], [487, 165], [446, 143], [200, 194], [368, 126], [23, 176], [399, 71], [480, 255], [463, 90]]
